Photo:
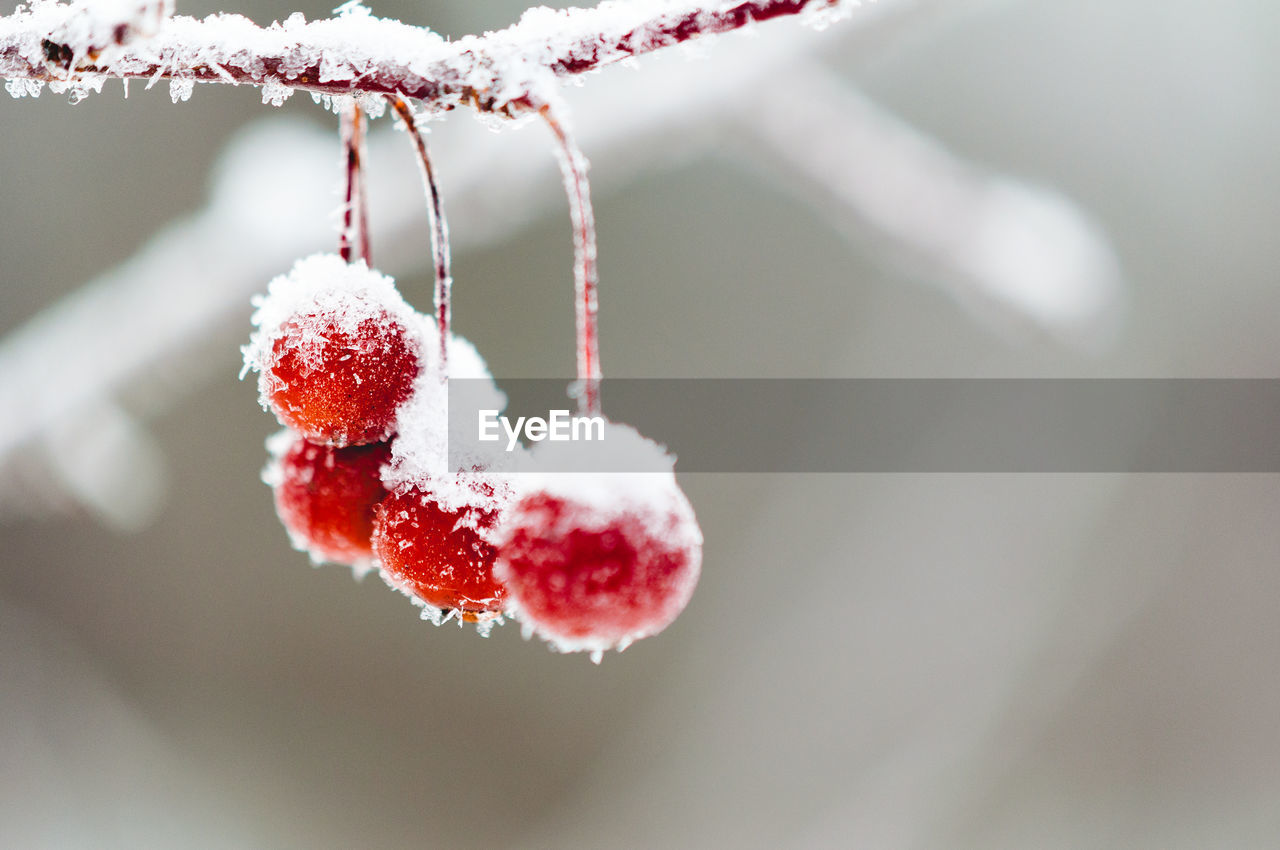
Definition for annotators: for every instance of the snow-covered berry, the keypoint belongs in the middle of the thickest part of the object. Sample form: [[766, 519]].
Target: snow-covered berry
[[325, 497], [595, 560], [337, 351], [439, 554], [433, 534]]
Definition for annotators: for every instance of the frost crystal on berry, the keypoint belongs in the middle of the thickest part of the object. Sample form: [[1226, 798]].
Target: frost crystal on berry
[[594, 561], [440, 557], [337, 351]]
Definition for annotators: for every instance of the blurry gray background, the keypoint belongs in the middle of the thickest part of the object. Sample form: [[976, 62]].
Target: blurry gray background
[[877, 660]]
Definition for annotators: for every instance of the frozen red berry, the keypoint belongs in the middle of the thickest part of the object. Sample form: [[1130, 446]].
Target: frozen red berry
[[595, 560], [433, 536], [336, 384], [440, 554], [325, 497], [337, 350]]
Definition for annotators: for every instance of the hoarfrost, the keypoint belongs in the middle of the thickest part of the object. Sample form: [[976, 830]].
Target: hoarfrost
[[275, 93], [24, 88], [373, 105], [180, 90], [221, 72], [430, 613], [78, 88], [439, 616]]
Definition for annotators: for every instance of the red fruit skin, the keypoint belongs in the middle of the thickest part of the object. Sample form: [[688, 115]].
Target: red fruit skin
[[587, 584], [439, 556], [336, 386], [325, 497]]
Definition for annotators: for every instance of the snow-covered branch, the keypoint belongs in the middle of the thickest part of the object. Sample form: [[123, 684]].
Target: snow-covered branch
[[76, 47]]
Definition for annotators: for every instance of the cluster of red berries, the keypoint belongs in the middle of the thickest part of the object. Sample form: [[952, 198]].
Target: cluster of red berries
[[588, 560]]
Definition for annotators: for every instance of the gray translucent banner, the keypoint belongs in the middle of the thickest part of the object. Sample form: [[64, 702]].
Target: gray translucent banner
[[894, 425]]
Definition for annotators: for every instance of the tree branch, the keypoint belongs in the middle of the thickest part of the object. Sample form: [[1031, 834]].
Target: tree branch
[[78, 46]]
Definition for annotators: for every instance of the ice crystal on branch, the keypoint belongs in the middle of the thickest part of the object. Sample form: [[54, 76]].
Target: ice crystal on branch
[[24, 88], [358, 53]]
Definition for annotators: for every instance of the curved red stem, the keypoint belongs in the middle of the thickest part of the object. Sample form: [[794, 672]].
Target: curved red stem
[[439, 230], [573, 166], [355, 212]]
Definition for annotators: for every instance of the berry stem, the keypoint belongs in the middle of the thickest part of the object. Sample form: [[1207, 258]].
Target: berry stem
[[573, 166], [439, 230], [355, 212]]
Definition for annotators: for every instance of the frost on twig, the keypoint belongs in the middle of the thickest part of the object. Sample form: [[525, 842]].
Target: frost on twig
[[356, 53]]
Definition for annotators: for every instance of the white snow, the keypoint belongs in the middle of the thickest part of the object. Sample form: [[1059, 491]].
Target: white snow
[[94, 27], [567, 470], [420, 454]]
